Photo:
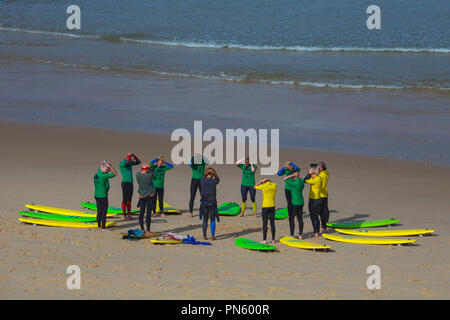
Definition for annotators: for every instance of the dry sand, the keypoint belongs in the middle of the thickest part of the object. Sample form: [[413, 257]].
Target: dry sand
[[54, 166]]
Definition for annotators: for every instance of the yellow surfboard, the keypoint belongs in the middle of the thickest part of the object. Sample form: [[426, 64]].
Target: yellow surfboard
[[366, 240], [297, 243], [64, 212], [162, 241], [167, 208], [67, 224], [386, 233]]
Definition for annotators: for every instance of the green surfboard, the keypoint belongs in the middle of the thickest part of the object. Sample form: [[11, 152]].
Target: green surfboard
[[93, 206], [57, 217], [281, 214], [253, 245], [362, 223], [229, 209]]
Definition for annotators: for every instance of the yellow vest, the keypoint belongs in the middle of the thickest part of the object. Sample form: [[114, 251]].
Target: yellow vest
[[324, 175], [269, 190], [316, 187]]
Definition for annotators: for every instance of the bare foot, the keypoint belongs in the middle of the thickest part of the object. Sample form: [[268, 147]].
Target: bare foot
[[213, 238], [163, 215], [316, 235], [264, 242], [241, 215], [300, 238], [274, 242], [204, 238], [191, 215]]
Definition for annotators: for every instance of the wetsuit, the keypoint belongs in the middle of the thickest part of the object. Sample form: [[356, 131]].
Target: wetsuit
[[101, 184], [145, 189], [158, 182], [287, 189], [324, 213], [247, 185], [198, 170], [126, 170], [296, 189], [208, 204], [314, 200], [269, 190]]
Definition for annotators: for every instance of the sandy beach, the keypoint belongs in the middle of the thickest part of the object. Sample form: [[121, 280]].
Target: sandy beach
[[54, 166]]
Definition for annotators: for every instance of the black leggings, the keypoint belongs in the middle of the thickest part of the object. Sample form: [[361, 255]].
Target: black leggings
[[145, 203], [209, 212], [297, 211], [287, 193], [127, 191], [314, 208], [159, 195], [195, 184], [102, 210], [324, 213], [268, 214], [245, 190]]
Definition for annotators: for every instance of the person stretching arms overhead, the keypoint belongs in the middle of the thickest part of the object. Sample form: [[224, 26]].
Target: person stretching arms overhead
[[160, 166], [146, 193], [247, 183], [126, 169], [315, 183], [288, 169], [269, 190], [296, 186], [198, 170], [101, 184]]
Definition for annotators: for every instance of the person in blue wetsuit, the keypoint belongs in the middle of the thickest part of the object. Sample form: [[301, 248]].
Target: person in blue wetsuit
[[208, 201]]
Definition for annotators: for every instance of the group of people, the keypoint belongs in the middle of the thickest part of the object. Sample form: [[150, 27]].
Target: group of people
[[150, 179]]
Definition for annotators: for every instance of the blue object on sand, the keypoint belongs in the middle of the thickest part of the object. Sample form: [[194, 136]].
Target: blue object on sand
[[191, 240]]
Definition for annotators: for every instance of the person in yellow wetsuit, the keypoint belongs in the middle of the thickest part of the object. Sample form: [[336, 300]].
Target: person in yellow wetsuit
[[324, 213], [315, 182], [269, 190]]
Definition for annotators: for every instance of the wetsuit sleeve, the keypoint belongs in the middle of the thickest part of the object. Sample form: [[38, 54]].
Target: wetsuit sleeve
[[154, 160], [169, 166], [312, 181], [306, 177], [192, 162], [280, 173], [258, 187], [294, 167]]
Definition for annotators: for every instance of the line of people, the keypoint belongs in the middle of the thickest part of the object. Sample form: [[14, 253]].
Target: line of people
[[150, 180]]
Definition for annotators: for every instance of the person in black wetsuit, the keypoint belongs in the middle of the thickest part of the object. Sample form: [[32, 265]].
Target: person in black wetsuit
[[146, 193], [197, 165], [208, 201]]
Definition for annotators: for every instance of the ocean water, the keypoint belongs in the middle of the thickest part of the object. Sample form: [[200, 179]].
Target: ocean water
[[295, 43], [309, 68]]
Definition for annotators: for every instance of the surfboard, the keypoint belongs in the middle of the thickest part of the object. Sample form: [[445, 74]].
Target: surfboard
[[363, 223], [366, 240], [253, 245], [229, 209], [386, 233], [281, 214], [167, 208], [297, 243], [93, 206], [163, 241], [67, 224], [142, 237], [51, 216], [64, 212]]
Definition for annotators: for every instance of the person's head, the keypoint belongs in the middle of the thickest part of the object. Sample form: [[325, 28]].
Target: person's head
[[288, 166], [247, 161], [210, 173], [105, 166], [145, 168], [321, 165], [160, 161], [265, 179], [314, 171]]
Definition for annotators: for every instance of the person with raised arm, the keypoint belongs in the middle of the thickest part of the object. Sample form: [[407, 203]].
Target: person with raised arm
[[197, 165], [324, 213], [146, 192], [296, 186], [269, 190], [315, 182], [126, 169], [208, 201], [160, 166], [288, 169], [247, 183], [101, 185]]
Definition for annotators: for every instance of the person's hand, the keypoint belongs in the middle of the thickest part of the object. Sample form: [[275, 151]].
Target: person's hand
[[152, 195]]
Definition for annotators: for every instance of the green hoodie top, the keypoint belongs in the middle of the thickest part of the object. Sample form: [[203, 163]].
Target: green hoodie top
[[101, 184], [160, 173], [198, 170], [296, 187], [248, 177], [126, 169]]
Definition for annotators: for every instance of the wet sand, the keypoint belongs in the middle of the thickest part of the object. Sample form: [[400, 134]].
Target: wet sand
[[54, 166]]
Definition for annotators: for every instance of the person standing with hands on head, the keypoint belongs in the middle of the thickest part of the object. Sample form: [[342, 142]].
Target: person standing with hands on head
[[126, 169], [296, 186], [288, 169], [247, 183], [269, 190], [160, 166], [315, 182], [146, 193], [101, 184], [208, 201], [197, 165], [324, 213]]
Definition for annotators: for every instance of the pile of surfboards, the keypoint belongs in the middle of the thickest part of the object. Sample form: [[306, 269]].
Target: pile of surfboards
[[351, 232]]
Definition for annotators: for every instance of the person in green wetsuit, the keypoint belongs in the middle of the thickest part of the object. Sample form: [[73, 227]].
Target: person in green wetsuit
[[247, 183], [160, 166], [101, 185], [296, 186], [126, 169], [288, 169], [197, 165]]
